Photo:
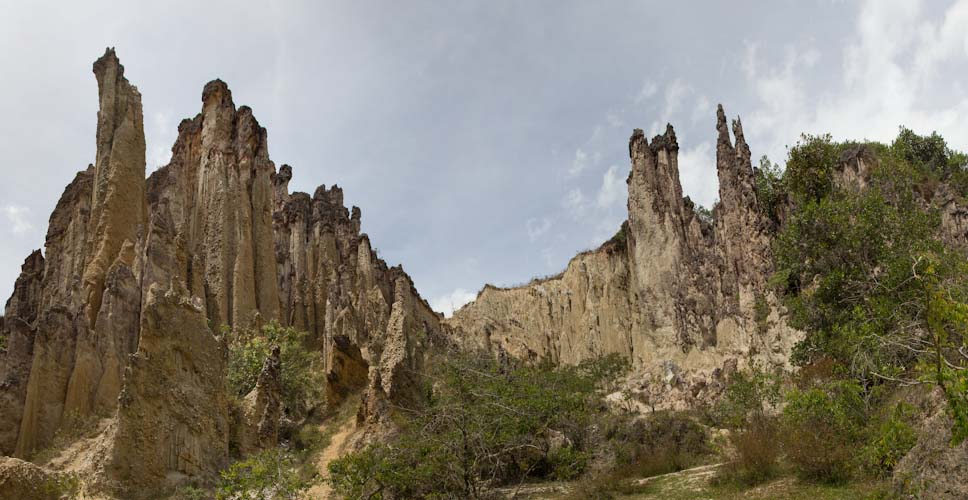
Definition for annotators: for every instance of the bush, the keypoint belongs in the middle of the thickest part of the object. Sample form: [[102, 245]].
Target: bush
[[269, 475], [891, 439], [757, 455], [660, 443], [302, 380], [823, 427], [484, 425], [749, 398], [810, 167], [747, 407], [770, 191]]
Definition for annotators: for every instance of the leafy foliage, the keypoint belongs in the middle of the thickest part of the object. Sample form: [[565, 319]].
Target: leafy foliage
[[810, 168], [660, 443], [485, 425], [891, 439], [269, 475], [770, 192], [822, 427], [751, 396], [301, 378], [865, 274], [747, 407]]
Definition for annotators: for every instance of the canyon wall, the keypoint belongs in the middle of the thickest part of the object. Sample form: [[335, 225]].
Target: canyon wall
[[117, 326], [683, 296]]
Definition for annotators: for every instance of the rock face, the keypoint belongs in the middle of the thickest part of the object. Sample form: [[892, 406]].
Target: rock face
[[361, 314], [673, 291], [258, 426], [173, 410], [216, 196], [118, 320], [933, 468]]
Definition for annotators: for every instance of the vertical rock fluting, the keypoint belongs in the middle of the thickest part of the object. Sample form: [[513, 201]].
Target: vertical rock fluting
[[118, 203], [217, 195], [173, 410], [19, 316], [678, 292], [334, 286], [50, 359], [114, 328]]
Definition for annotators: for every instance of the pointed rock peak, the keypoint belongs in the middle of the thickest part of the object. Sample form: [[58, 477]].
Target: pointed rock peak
[[721, 125], [217, 91], [666, 141], [107, 61], [284, 174], [33, 262], [355, 214], [738, 131], [637, 141]]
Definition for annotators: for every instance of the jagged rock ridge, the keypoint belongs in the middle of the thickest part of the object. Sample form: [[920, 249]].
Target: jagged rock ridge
[[117, 321], [681, 296]]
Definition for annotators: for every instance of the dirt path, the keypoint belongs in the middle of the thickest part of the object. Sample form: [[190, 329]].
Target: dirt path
[[694, 474], [322, 490]]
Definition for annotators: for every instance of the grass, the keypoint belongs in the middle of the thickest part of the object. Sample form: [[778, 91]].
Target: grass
[[695, 484], [787, 488]]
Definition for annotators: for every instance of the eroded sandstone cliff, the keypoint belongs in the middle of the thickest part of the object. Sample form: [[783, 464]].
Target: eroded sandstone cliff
[[682, 296], [117, 326]]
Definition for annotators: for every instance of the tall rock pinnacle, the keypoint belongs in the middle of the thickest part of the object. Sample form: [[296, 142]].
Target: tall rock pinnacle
[[117, 207]]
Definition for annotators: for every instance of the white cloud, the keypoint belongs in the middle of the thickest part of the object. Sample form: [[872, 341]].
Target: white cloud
[[537, 228], [575, 202], [19, 218], [697, 173], [649, 88], [614, 119], [452, 301], [613, 190], [674, 95], [891, 75], [579, 164], [160, 130], [703, 110]]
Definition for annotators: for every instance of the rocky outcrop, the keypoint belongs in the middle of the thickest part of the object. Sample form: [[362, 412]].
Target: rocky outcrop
[[19, 316], [934, 468], [117, 204], [361, 314], [173, 413], [20, 480], [261, 409], [216, 195], [673, 291], [115, 328], [76, 360]]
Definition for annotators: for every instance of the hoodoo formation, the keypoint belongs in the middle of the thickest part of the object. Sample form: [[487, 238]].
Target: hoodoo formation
[[677, 293], [115, 322], [120, 326]]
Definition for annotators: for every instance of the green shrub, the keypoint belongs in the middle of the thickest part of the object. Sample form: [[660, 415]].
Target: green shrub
[[810, 167], [747, 407], [823, 427], [301, 378], [270, 475], [191, 493], [484, 425], [757, 455], [659, 443], [891, 439], [770, 191], [62, 485], [749, 397]]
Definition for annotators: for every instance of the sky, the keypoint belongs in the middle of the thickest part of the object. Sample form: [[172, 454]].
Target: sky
[[485, 141]]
